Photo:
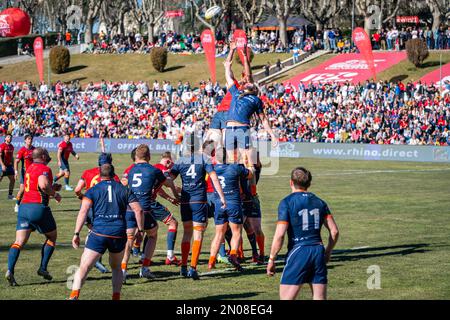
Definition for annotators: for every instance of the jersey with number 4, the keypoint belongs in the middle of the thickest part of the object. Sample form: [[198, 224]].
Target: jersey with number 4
[[305, 213], [193, 171], [143, 179], [229, 176]]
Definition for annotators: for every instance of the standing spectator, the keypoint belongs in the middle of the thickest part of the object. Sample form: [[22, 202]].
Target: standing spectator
[[296, 55], [68, 38], [326, 42], [332, 38], [428, 37], [19, 47], [267, 70]]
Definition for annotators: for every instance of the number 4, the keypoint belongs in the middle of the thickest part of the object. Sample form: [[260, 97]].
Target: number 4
[[191, 172]]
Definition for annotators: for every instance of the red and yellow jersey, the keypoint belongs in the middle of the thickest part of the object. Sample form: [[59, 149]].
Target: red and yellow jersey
[[226, 101], [127, 171], [25, 155], [209, 184], [92, 176], [66, 148], [32, 192], [7, 153], [164, 170]]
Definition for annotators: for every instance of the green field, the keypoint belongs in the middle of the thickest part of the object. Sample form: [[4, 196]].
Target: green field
[[396, 213]]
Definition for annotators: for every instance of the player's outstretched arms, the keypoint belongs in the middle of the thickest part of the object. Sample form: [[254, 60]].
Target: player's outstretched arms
[[332, 227], [277, 243], [229, 76], [82, 214], [218, 188]]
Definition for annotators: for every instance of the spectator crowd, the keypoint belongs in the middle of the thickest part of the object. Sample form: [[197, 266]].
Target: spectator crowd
[[372, 112]]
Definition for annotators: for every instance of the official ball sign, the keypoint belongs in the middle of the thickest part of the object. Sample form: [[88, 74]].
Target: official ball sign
[[14, 22]]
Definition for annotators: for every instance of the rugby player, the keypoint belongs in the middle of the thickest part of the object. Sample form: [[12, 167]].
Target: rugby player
[[301, 215], [109, 200], [143, 179], [193, 167], [229, 175], [88, 179], [35, 214], [25, 155], [6, 164], [65, 149]]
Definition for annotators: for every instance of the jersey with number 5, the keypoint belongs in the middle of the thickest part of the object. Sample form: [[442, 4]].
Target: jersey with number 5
[[109, 204], [305, 213], [193, 172], [143, 178]]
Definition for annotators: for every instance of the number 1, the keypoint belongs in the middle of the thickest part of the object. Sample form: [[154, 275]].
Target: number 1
[[110, 194]]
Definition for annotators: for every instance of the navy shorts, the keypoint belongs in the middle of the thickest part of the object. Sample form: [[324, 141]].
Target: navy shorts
[[101, 243], [231, 214], [219, 120], [252, 208], [305, 264], [8, 172], [130, 220], [238, 136], [35, 216], [211, 197], [160, 212], [196, 212], [149, 221], [65, 166]]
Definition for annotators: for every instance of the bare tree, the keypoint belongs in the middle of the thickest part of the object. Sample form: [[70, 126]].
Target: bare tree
[[251, 10], [283, 9], [30, 7], [92, 10], [113, 14], [380, 11], [438, 9], [322, 11], [148, 12]]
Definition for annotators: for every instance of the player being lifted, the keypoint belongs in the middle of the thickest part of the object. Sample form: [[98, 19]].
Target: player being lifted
[[143, 179], [35, 214], [108, 200], [193, 167], [6, 164], [301, 215], [65, 149], [88, 179], [25, 155]]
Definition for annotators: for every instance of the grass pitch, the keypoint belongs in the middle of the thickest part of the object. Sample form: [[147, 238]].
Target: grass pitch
[[394, 215]]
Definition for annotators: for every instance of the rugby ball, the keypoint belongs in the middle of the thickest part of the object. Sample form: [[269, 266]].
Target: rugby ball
[[213, 12]]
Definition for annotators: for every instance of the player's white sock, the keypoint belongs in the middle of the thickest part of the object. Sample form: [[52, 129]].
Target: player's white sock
[[170, 254]]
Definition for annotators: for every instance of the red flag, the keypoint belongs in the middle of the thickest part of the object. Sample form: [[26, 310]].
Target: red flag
[[241, 40], [38, 47], [209, 45], [362, 42]]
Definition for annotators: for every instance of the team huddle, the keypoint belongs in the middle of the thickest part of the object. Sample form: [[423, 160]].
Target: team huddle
[[218, 175]]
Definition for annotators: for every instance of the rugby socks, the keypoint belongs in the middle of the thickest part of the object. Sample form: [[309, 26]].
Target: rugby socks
[[13, 256], [46, 253], [124, 266], [75, 294], [116, 296], [196, 247], [66, 181], [171, 237], [260, 240], [252, 240], [222, 250], [185, 247], [146, 262], [211, 262]]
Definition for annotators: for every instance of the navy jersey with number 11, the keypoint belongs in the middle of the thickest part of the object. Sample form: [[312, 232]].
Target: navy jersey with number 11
[[305, 213]]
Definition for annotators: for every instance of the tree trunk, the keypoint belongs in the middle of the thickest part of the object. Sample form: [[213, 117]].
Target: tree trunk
[[367, 25], [122, 23], [282, 22], [436, 19], [88, 32], [319, 25], [151, 31]]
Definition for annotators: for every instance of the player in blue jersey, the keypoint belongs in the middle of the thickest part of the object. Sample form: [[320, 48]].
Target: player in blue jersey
[[244, 104], [193, 168], [229, 175], [143, 180], [109, 200], [301, 215]]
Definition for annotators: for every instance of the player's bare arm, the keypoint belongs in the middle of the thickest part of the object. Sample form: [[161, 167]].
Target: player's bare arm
[[75, 155], [82, 214], [79, 188], [332, 228], [166, 196], [277, 243], [16, 168], [139, 214], [46, 186], [247, 67], [169, 183], [2, 164], [59, 156], [229, 76], [269, 129]]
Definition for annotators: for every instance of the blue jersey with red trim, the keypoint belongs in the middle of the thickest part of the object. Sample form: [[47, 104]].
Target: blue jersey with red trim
[[305, 213], [109, 205], [229, 176], [242, 108]]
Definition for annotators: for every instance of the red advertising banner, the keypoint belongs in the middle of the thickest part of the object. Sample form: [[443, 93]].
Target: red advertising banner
[[174, 13], [14, 22], [362, 42], [209, 45], [434, 76], [407, 19], [240, 37], [38, 47], [349, 67]]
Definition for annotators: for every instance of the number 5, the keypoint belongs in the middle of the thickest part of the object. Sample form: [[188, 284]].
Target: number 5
[[137, 181]]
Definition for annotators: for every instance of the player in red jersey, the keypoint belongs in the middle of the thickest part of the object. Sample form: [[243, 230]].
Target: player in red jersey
[[25, 155], [65, 149], [6, 164], [35, 214]]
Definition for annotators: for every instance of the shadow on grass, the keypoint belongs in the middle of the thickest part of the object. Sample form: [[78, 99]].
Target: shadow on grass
[[428, 64], [398, 78], [243, 295], [259, 66], [375, 252], [173, 68], [75, 79], [75, 68]]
